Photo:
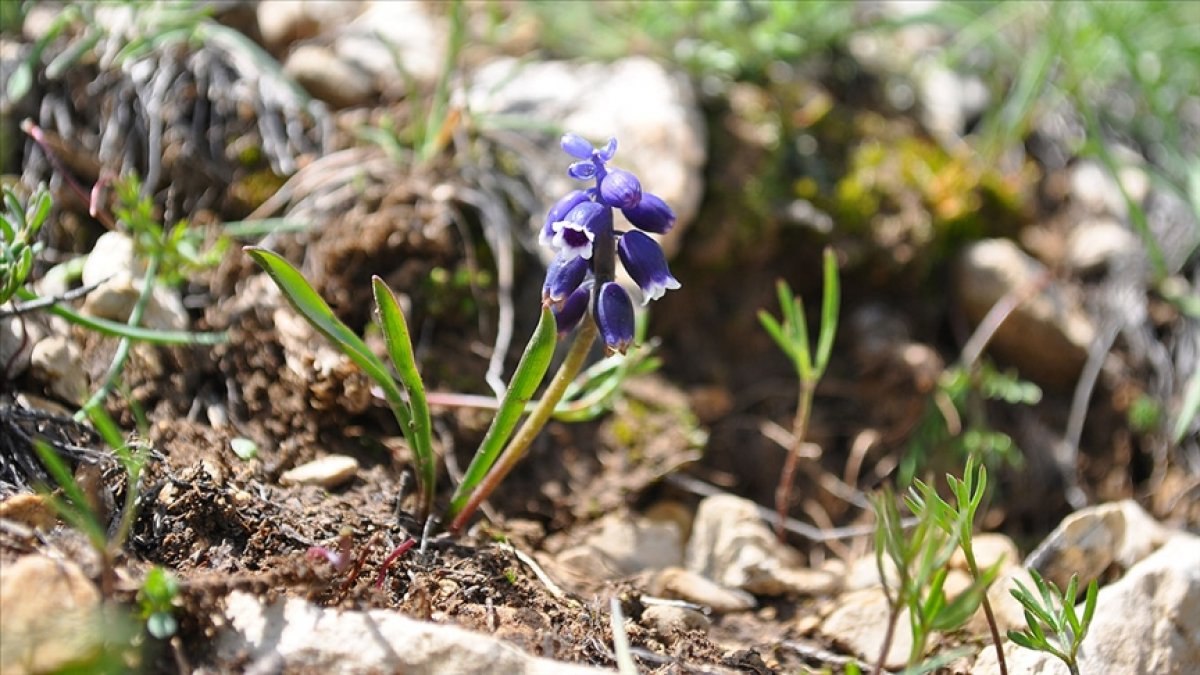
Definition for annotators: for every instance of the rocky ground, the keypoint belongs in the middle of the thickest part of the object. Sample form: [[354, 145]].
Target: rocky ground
[[654, 507]]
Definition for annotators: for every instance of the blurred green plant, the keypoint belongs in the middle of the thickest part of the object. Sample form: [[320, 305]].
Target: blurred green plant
[[157, 599], [181, 249], [954, 425], [19, 225], [792, 338], [1053, 625], [919, 566], [729, 39], [959, 519]]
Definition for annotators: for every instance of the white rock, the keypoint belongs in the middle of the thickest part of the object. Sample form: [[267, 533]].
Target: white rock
[[1094, 244], [1088, 541], [859, 624], [327, 77], [989, 548], [388, 31], [1147, 622], [300, 637], [948, 99], [282, 22], [731, 545], [111, 258], [651, 111], [115, 299], [1094, 188], [58, 362], [1048, 336], [47, 618], [329, 471]]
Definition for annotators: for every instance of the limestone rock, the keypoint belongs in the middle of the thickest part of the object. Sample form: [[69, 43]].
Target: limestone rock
[[859, 623], [1088, 541], [622, 545], [58, 362], [670, 621], [387, 32], [46, 615], [1095, 244], [115, 299], [295, 636], [731, 545], [680, 584], [282, 22], [1146, 622]]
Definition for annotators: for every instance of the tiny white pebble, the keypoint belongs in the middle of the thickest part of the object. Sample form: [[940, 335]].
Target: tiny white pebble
[[328, 472]]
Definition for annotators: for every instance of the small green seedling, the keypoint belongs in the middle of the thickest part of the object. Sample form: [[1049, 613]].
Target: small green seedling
[[156, 600], [792, 338], [1053, 623]]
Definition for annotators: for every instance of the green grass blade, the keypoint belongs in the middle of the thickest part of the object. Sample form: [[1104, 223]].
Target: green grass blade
[[419, 430], [529, 374], [75, 509], [830, 301]]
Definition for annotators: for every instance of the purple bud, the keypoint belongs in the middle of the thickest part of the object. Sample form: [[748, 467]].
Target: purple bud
[[573, 308], [563, 276], [559, 211], [575, 146], [582, 170], [620, 189], [609, 150], [651, 214], [646, 264], [614, 317]]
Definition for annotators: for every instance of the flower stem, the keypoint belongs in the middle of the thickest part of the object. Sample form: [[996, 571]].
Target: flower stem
[[973, 567], [533, 424], [783, 492]]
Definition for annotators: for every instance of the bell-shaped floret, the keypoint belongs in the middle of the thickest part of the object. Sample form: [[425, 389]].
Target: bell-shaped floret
[[558, 212], [614, 317], [574, 234], [644, 260], [573, 308], [563, 276], [651, 214], [584, 169]]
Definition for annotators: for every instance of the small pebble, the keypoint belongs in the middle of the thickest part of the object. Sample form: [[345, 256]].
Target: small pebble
[[668, 620], [328, 472]]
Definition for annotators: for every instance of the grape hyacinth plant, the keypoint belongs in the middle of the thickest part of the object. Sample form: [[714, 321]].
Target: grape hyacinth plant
[[580, 294]]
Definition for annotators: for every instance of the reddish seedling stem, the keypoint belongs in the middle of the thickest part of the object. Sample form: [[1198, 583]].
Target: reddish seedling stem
[[399, 551]]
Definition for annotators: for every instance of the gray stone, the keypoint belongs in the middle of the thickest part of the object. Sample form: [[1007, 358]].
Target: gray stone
[[115, 299], [1046, 337], [1097, 191], [112, 258], [296, 636], [282, 22], [388, 31], [622, 545], [651, 111], [1090, 540], [670, 621], [680, 584], [327, 77], [18, 335]]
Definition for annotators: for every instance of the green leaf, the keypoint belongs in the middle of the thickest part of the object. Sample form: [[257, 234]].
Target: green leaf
[[419, 430], [529, 373], [830, 300], [115, 329], [1023, 640], [244, 448], [1089, 608]]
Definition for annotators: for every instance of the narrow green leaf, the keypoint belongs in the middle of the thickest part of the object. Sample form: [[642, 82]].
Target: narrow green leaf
[[777, 333], [529, 374], [314, 309], [830, 301], [1022, 640], [76, 508], [419, 430]]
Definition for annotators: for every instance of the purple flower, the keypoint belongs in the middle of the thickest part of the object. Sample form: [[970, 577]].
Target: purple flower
[[574, 234], [646, 264], [613, 313], [564, 275], [651, 214], [579, 227]]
